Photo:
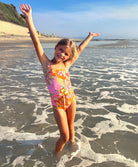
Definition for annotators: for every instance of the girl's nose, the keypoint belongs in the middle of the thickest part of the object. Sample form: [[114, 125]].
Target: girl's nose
[[62, 53]]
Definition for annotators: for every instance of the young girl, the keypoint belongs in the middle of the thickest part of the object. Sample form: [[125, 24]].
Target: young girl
[[57, 78]]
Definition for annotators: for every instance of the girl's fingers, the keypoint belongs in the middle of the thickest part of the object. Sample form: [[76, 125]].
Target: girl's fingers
[[94, 34], [21, 8], [22, 5], [97, 34], [26, 6], [29, 6]]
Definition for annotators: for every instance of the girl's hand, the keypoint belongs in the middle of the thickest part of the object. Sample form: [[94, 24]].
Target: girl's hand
[[26, 10], [94, 34]]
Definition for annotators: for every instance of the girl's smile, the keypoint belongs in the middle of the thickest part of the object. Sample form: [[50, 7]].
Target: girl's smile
[[60, 56]]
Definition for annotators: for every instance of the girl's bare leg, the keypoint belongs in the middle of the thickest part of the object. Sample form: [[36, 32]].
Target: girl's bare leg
[[62, 122], [71, 116]]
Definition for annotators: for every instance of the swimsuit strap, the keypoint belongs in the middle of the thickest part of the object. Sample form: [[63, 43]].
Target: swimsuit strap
[[48, 68], [49, 64]]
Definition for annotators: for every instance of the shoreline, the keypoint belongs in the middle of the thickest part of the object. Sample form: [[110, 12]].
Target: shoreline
[[8, 41]]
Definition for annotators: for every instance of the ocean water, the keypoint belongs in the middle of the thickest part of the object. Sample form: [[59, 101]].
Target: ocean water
[[105, 81]]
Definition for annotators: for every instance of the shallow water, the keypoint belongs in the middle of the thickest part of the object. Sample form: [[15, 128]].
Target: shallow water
[[105, 81]]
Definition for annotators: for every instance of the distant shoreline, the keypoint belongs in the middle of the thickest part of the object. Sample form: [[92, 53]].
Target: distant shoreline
[[8, 41]]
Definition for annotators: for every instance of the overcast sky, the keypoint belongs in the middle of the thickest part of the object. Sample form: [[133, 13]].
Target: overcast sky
[[76, 18]]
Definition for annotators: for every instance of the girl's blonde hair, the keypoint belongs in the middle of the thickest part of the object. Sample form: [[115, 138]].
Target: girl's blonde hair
[[69, 43]]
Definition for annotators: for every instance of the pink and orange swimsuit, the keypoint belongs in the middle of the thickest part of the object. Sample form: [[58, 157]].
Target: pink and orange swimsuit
[[59, 86]]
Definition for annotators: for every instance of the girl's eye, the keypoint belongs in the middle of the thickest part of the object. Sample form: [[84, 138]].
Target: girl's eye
[[66, 54]]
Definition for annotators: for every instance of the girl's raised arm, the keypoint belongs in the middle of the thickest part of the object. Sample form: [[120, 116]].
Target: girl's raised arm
[[84, 43], [82, 46], [27, 11]]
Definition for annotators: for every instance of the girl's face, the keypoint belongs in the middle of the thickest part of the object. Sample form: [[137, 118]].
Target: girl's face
[[62, 53]]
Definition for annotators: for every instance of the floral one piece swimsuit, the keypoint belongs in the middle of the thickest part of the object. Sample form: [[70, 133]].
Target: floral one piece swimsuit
[[59, 86]]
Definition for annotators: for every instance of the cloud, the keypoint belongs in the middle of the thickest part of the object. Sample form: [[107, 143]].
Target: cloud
[[124, 13], [73, 21], [110, 12]]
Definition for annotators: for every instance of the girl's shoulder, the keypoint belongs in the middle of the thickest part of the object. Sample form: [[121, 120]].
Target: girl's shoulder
[[67, 64]]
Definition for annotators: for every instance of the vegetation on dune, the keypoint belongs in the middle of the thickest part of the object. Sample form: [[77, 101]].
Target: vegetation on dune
[[9, 13]]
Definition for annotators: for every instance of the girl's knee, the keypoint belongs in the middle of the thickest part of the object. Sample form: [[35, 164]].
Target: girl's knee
[[65, 138]]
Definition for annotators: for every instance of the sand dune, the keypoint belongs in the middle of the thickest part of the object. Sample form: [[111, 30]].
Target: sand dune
[[13, 33], [12, 29], [10, 32]]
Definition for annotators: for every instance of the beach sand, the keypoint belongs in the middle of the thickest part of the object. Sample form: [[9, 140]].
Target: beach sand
[[12, 29], [8, 41], [13, 36]]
